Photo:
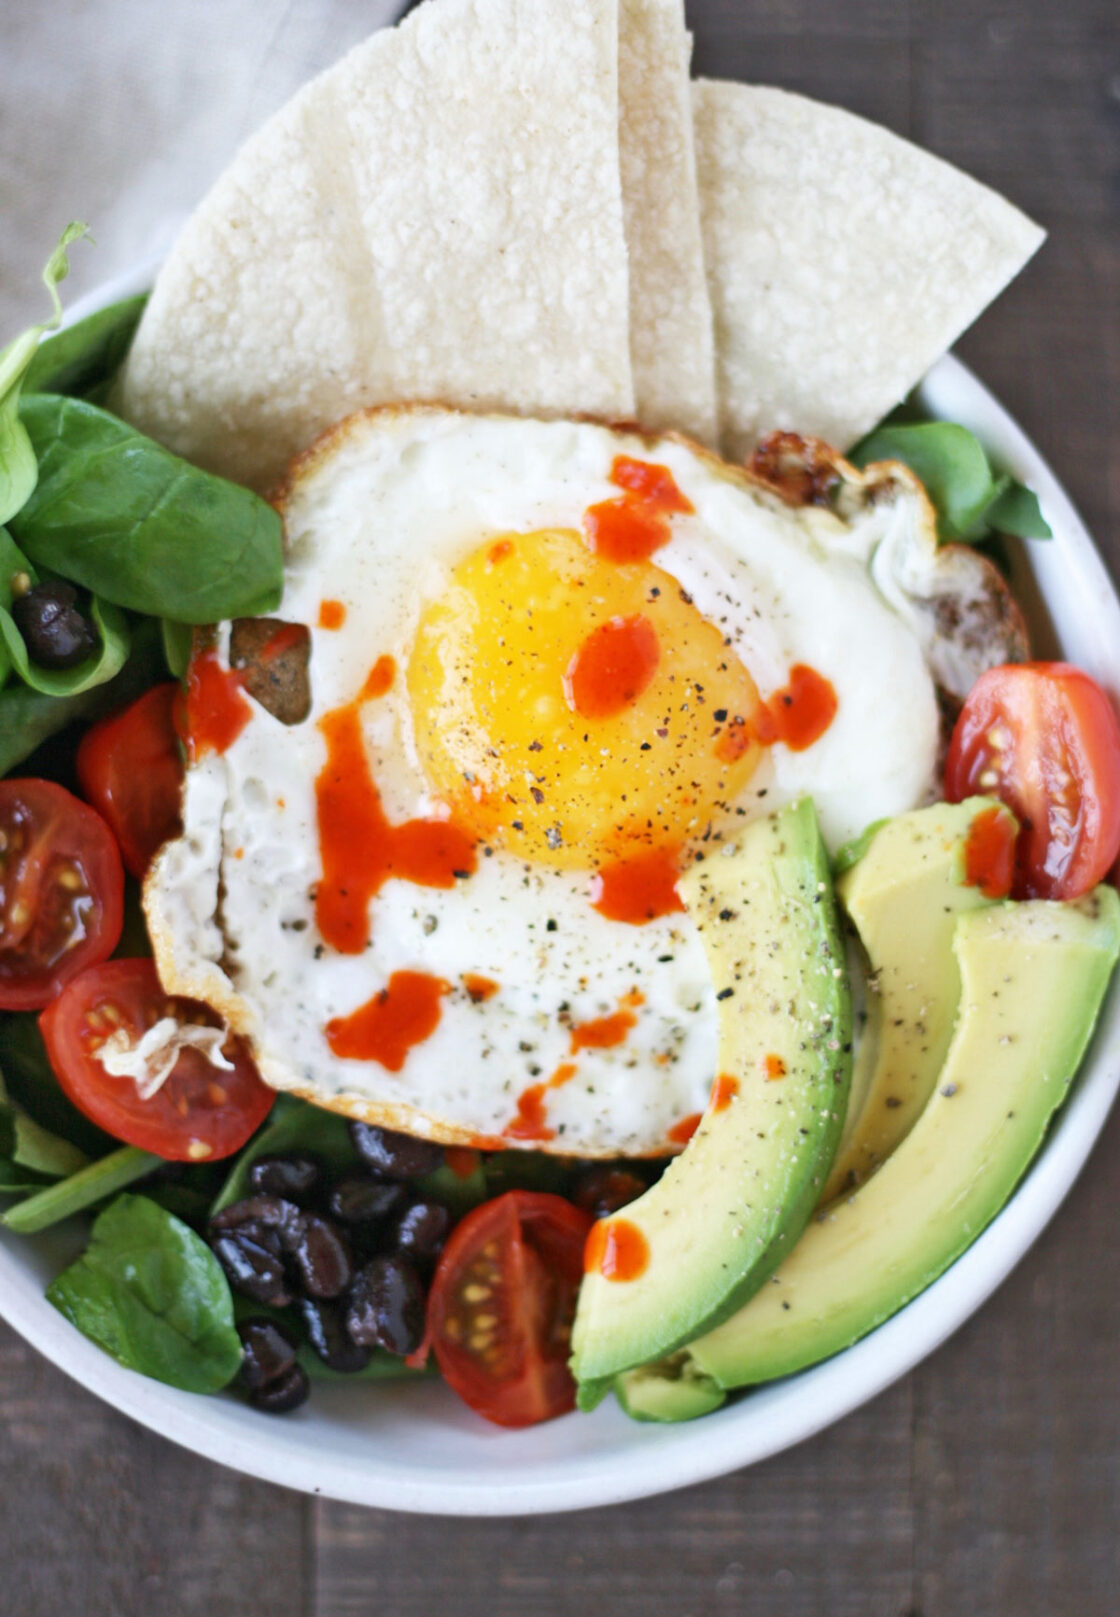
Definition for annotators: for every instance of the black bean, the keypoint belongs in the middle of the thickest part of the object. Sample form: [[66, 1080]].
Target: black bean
[[420, 1231], [326, 1331], [266, 1212], [394, 1156], [358, 1198], [286, 1392], [294, 1177], [56, 633], [386, 1306], [251, 1268], [602, 1190], [267, 1352], [321, 1257]]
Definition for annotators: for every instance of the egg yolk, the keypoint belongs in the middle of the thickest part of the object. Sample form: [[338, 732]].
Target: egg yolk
[[570, 708]]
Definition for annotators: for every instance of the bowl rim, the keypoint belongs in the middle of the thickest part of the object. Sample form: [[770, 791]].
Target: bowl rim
[[665, 1458]]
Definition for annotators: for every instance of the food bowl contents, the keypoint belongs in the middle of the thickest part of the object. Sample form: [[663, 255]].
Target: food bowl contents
[[601, 916]]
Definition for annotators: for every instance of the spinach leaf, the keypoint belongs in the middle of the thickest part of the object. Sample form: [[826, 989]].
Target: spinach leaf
[[292, 1125], [851, 852], [382, 1366], [87, 355], [15, 1180], [27, 1144], [17, 454], [152, 1294], [1016, 510], [81, 1190], [101, 666], [28, 717], [177, 641], [133, 523], [969, 498], [31, 1086]]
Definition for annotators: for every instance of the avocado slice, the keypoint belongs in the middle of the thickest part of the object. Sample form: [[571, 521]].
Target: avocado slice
[[700, 1241], [672, 1389], [1033, 978], [904, 894]]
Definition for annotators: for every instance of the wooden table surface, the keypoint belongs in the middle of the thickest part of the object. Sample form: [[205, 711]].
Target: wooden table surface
[[988, 1481]]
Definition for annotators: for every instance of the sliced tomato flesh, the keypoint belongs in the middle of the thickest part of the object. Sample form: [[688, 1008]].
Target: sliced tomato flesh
[[502, 1303], [1045, 739], [61, 891], [130, 767], [190, 1096]]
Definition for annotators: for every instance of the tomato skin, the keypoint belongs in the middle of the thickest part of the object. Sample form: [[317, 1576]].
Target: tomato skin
[[1045, 739], [130, 767], [200, 1113], [61, 891], [524, 1253]]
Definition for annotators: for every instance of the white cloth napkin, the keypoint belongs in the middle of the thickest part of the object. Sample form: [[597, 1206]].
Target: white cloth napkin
[[122, 112]]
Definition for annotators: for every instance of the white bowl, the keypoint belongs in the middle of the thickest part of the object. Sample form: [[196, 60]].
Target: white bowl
[[417, 1447]]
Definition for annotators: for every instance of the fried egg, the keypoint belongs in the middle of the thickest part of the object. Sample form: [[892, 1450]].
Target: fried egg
[[552, 664]]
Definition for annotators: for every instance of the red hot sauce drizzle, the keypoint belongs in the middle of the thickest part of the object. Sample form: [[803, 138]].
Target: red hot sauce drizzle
[[479, 989], [605, 1033], [724, 1091], [386, 1027], [617, 1249], [640, 889], [797, 715], [682, 1132], [989, 853], [215, 709], [531, 1122], [359, 849], [612, 667], [635, 524]]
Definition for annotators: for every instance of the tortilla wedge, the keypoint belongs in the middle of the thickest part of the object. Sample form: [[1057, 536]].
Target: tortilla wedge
[[671, 346], [437, 216], [842, 261]]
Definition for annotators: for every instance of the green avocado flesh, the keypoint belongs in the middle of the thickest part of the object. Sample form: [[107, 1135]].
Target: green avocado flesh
[[903, 895], [1033, 977], [670, 1390], [726, 1211]]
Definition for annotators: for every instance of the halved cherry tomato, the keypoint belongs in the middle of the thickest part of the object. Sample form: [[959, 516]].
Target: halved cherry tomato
[[201, 1111], [502, 1303], [1045, 739], [61, 891], [131, 769]]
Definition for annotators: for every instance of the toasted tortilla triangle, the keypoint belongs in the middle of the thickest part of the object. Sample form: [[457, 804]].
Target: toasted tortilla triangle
[[842, 261], [671, 345], [437, 216]]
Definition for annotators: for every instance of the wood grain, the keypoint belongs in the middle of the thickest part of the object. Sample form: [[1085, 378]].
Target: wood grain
[[989, 1481], [794, 1535], [98, 1516]]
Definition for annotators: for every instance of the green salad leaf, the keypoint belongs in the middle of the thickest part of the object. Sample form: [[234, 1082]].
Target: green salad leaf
[[30, 1085], [17, 453], [970, 498], [292, 1125], [134, 524], [27, 1144], [150, 1292], [851, 852], [29, 717], [84, 358], [104, 664], [81, 1191], [177, 641]]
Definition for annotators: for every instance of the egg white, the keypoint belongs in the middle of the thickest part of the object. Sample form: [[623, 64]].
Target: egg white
[[376, 517]]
